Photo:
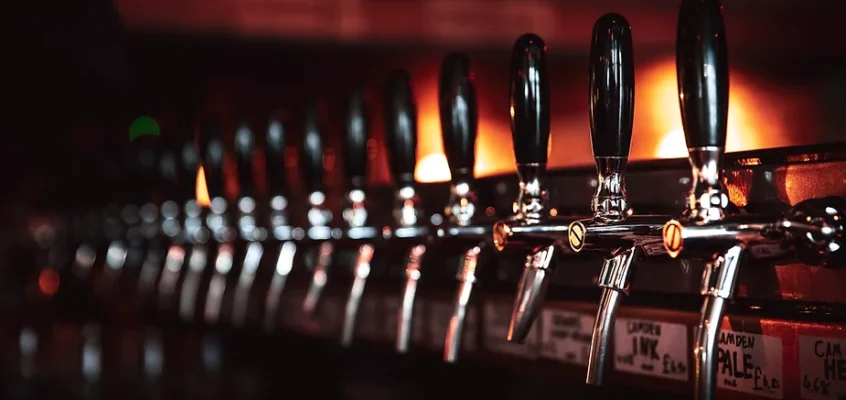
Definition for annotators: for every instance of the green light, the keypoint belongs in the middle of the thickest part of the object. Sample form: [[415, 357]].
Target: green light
[[143, 126]]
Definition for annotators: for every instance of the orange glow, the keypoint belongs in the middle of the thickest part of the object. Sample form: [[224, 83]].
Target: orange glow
[[202, 191], [751, 116], [48, 281]]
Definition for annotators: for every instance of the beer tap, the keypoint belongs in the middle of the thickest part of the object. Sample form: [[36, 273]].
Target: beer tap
[[189, 249], [212, 154], [613, 229], [319, 217], [529, 92], [279, 219], [250, 231], [709, 229], [401, 140], [459, 128], [354, 208]]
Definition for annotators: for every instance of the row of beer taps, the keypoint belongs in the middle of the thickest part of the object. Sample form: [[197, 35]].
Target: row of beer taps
[[249, 234]]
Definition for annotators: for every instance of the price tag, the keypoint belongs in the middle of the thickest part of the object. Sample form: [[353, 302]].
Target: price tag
[[822, 365], [369, 327], [565, 336], [750, 363], [497, 319], [418, 326], [331, 316], [652, 348], [440, 314]]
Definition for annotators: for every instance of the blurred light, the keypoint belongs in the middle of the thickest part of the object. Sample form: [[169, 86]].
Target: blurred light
[[432, 168], [751, 115], [202, 192], [48, 281], [672, 145], [553, 212]]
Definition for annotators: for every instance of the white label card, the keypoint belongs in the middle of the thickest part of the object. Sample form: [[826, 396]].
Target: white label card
[[440, 314], [565, 336], [497, 319], [651, 348], [750, 363], [822, 366]]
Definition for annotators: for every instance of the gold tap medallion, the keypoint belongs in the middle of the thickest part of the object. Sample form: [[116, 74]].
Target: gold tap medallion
[[672, 235], [576, 234], [501, 233]]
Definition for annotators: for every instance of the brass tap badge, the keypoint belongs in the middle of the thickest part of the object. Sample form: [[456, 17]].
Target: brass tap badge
[[577, 233], [672, 234]]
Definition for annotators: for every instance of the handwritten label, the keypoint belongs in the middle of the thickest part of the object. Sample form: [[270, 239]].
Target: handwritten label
[[418, 319], [369, 327], [565, 336], [497, 319], [822, 365], [651, 348], [440, 314], [750, 363]]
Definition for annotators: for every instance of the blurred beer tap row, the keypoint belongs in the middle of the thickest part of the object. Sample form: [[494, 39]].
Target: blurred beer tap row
[[273, 258]]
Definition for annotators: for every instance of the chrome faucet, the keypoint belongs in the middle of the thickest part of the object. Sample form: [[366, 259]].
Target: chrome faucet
[[529, 110], [319, 217], [355, 211], [279, 219], [709, 230], [401, 139], [613, 228], [459, 126]]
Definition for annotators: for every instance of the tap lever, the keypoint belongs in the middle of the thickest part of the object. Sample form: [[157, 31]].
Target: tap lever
[[245, 147], [459, 126], [614, 279], [466, 280], [355, 156], [459, 116], [357, 135], [718, 283], [361, 272], [212, 151], [529, 92], [531, 290], [611, 103], [703, 80], [401, 140], [401, 128], [406, 311], [312, 154], [274, 153]]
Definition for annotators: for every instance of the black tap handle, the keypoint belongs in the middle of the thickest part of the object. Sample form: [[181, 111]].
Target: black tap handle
[[311, 159], [459, 115], [357, 133], [401, 127], [529, 90], [275, 157], [188, 165], [703, 76], [611, 96], [212, 155], [245, 146]]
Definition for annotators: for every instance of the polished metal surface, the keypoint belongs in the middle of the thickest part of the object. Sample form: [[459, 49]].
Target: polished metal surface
[[466, 280], [530, 293], [409, 293], [361, 271]]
